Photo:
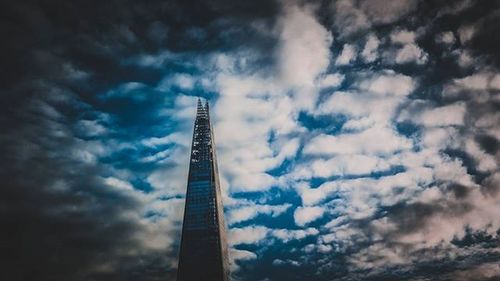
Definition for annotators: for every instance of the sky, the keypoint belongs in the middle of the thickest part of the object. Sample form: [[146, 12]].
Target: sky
[[356, 139]]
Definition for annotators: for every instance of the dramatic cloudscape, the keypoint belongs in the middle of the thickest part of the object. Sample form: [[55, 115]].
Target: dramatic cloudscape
[[356, 139]]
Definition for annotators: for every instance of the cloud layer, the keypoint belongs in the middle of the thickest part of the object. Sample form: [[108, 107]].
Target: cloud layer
[[356, 140]]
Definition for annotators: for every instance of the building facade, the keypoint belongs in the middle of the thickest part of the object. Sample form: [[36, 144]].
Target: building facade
[[203, 252]]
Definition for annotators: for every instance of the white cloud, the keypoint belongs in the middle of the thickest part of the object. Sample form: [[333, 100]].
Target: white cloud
[[484, 161], [411, 53], [156, 61], [132, 90], [365, 109], [488, 120], [118, 184], [387, 142], [442, 227], [465, 33], [241, 255], [442, 116], [157, 157], [440, 137], [313, 196], [318, 247], [183, 81], [464, 57], [305, 215], [278, 262], [348, 17], [388, 83], [304, 51], [495, 82], [358, 124], [175, 138], [353, 16], [170, 177], [90, 128], [287, 235], [247, 235], [88, 151], [257, 106], [478, 81], [332, 80], [266, 106], [245, 213], [158, 232], [361, 196], [369, 53], [247, 163], [260, 234], [373, 103], [381, 12], [403, 37], [253, 182], [183, 111], [446, 38], [341, 165], [347, 55]]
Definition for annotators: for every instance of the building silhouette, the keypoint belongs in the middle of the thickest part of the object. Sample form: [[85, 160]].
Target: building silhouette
[[203, 252]]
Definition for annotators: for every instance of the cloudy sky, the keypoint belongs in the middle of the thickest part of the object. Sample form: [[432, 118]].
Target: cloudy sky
[[357, 139]]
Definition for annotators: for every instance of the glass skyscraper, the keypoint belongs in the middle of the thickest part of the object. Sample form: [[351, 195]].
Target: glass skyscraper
[[203, 252]]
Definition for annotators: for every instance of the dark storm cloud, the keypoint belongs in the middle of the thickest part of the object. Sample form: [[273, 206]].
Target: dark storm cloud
[[96, 36], [86, 87], [60, 218]]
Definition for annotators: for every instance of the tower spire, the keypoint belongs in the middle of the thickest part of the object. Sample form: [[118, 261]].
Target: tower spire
[[199, 108], [203, 254]]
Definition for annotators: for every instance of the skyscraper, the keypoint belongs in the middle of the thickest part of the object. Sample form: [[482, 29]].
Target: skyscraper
[[203, 253]]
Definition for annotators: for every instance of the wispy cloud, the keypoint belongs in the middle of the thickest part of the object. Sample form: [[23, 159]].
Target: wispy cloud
[[356, 140]]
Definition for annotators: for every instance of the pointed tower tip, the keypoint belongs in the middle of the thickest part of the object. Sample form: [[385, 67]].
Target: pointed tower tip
[[200, 109]]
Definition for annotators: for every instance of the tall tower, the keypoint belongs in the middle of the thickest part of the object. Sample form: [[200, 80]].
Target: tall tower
[[203, 253]]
